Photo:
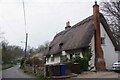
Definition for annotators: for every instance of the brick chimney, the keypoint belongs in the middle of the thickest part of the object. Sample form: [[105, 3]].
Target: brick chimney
[[99, 57], [67, 25]]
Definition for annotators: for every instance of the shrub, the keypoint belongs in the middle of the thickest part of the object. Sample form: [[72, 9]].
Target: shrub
[[69, 64], [22, 63]]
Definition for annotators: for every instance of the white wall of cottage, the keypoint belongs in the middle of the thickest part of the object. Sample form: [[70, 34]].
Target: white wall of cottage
[[110, 54], [56, 60], [92, 61]]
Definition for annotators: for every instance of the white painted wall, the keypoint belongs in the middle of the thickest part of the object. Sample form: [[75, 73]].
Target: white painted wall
[[56, 60], [110, 55], [108, 49], [92, 61]]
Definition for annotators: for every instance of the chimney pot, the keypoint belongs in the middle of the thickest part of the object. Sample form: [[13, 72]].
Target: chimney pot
[[67, 25], [95, 2]]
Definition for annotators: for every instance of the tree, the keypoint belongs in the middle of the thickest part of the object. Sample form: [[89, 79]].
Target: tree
[[1, 35], [5, 57], [42, 48], [111, 11], [10, 53]]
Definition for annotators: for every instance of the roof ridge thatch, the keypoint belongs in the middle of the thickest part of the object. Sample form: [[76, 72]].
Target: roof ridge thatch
[[83, 21], [77, 24]]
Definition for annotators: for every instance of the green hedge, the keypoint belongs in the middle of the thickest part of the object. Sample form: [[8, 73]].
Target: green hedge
[[83, 63]]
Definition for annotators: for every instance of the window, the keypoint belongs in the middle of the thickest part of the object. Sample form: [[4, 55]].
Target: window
[[77, 54], [52, 59], [60, 45], [102, 40], [47, 59], [63, 58], [49, 48], [71, 56]]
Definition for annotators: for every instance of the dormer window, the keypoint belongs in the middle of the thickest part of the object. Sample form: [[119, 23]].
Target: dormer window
[[49, 48], [60, 45]]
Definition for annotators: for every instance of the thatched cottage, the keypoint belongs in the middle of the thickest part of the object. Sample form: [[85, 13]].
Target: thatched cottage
[[93, 30]]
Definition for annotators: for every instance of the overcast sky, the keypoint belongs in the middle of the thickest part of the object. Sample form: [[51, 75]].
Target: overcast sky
[[44, 18]]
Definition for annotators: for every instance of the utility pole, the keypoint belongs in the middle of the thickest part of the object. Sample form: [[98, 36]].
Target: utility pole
[[26, 44], [25, 29]]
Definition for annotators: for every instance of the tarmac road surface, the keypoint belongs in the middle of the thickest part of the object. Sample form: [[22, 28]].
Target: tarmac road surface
[[14, 72], [105, 74]]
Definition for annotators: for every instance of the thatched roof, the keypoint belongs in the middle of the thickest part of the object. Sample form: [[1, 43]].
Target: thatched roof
[[78, 36]]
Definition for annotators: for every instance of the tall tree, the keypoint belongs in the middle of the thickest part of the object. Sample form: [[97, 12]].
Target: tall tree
[[10, 52], [111, 11]]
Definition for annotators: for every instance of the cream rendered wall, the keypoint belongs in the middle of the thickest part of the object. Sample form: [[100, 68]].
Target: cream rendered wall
[[108, 49], [56, 60]]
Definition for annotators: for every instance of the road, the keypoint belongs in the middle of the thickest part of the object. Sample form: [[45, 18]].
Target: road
[[14, 72], [0, 75]]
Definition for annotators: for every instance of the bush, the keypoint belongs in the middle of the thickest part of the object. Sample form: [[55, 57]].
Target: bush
[[83, 63], [22, 63], [69, 64]]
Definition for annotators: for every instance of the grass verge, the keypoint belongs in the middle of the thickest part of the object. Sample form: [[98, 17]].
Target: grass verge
[[36, 75], [6, 66], [39, 75], [0, 67]]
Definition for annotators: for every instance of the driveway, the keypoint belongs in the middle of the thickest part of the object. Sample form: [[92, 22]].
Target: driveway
[[106, 74], [14, 72]]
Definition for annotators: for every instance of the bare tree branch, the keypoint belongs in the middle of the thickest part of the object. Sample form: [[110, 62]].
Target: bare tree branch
[[111, 11]]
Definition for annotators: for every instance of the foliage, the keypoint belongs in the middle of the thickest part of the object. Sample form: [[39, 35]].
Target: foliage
[[40, 75], [41, 48], [0, 56], [69, 64], [0, 67], [10, 53], [111, 11], [6, 66], [84, 62], [22, 63]]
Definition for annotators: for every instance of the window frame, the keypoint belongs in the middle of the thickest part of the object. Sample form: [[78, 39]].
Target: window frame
[[52, 59]]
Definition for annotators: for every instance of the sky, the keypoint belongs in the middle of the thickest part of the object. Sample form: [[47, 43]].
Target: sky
[[44, 19]]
